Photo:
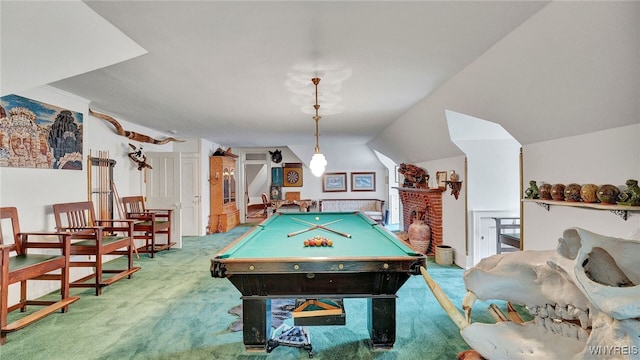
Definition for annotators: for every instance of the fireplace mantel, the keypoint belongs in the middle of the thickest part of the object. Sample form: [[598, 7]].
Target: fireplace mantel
[[430, 202], [428, 190]]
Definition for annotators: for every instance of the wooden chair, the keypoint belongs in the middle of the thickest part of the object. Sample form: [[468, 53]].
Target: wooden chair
[[148, 223], [96, 237], [266, 203], [25, 266]]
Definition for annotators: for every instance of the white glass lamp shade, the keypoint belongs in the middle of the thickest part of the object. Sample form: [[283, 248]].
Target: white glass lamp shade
[[317, 164]]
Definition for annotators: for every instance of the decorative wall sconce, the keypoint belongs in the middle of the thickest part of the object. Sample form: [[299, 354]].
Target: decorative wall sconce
[[455, 187]]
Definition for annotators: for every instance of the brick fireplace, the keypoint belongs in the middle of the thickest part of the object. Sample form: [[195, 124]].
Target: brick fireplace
[[427, 202]]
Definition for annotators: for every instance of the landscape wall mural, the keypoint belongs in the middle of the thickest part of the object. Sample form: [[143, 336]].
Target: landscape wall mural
[[38, 135]]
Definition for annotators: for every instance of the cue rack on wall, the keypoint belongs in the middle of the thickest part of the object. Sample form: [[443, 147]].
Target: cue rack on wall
[[100, 184]]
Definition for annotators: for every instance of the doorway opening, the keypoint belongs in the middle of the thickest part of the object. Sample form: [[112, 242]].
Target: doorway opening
[[256, 187], [392, 220], [493, 178]]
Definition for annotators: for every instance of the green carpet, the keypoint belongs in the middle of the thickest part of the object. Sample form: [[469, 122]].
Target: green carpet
[[174, 309]]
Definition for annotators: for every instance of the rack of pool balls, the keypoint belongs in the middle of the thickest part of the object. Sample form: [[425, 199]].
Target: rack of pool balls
[[318, 241]]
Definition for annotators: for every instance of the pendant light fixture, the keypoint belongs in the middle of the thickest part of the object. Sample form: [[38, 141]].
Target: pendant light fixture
[[318, 161]]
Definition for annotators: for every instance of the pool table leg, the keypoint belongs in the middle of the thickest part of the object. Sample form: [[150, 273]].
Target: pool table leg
[[382, 321], [256, 323]]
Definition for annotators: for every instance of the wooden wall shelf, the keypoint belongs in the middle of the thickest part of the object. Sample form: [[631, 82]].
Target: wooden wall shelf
[[620, 210]]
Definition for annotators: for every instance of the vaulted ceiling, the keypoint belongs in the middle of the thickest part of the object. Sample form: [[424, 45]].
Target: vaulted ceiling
[[239, 73]]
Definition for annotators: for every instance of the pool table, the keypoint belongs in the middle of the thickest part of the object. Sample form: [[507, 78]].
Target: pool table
[[272, 261]]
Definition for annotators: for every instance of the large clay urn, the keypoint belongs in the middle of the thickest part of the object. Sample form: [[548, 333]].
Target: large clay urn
[[420, 235]]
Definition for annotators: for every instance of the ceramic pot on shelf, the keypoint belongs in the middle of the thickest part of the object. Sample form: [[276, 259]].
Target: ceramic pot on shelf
[[420, 235], [608, 194], [588, 193], [557, 192], [545, 192], [572, 192]]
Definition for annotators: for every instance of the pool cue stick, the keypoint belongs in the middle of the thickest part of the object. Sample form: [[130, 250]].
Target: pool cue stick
[[120, 206], [103, 186], [335, 231], [325, 228], [310, 223], [100, 186], [89, 172], [301, 231], [116, 198], [311, 228]]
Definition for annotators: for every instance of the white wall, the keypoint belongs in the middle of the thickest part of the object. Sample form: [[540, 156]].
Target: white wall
[[343, 158], [604, 157], [493, 174]]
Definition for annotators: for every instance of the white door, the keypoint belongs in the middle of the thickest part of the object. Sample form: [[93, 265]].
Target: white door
[[487, 244], [191, 201], [163, 190]]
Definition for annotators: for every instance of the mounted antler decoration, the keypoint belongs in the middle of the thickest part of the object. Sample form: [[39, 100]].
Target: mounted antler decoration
[[138, 157], [130, 134]]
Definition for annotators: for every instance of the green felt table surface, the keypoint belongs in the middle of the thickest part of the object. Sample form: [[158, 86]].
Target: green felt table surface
[[270, 239]]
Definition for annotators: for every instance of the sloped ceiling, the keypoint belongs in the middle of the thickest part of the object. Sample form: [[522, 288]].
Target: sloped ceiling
[[570, 69], [238, 73], [46, 41]]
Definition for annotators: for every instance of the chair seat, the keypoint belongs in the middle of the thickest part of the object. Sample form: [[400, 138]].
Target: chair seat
[[26, 260], [106, 240], [150, 223]]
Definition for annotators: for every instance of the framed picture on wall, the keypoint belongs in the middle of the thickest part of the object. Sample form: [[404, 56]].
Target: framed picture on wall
[[441, 177], [334, 182], [363, 181]]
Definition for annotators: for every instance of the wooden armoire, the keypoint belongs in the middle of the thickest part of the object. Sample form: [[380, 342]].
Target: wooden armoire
[[224, 214]]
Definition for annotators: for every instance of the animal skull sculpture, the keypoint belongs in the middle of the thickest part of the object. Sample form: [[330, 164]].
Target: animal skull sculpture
[[584, 298]]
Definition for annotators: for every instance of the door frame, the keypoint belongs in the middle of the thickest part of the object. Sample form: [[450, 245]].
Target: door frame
[[241, 181]]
